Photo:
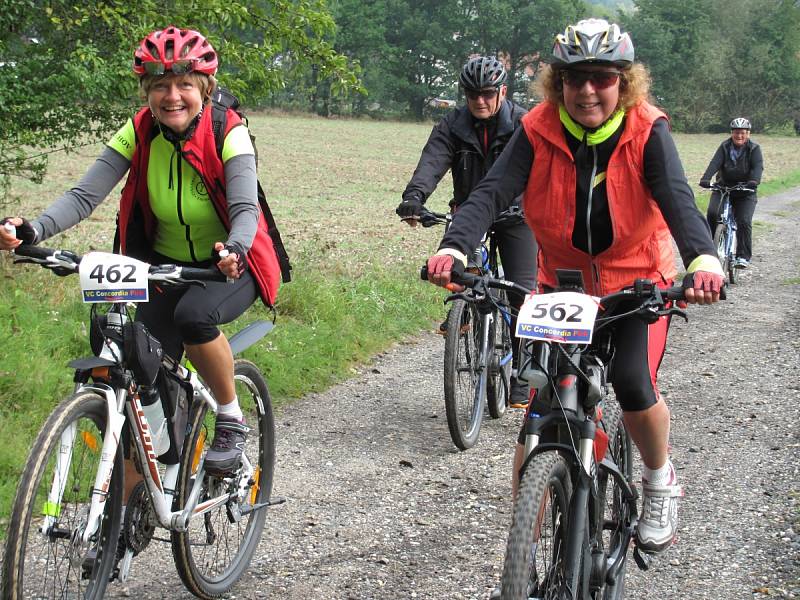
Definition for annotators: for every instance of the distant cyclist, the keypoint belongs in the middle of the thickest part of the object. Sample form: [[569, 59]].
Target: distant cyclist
[[737, 160], [467, 142]]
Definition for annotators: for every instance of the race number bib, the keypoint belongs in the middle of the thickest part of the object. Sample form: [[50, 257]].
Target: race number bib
[[109, 277], [562, 317]]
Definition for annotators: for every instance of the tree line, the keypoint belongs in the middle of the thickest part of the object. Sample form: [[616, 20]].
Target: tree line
[[65, 67]]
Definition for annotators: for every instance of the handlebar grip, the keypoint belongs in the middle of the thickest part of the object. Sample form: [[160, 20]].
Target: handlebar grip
[[33, 251], [212, 274], [423, 272]]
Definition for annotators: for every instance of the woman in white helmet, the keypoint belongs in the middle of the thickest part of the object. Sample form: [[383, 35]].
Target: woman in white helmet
[[604, 192]]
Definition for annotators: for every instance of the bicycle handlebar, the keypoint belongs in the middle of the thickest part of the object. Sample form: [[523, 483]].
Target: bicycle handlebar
[[739, 187], [68, 262]]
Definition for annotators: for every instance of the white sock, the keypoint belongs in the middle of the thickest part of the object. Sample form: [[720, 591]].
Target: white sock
[[664, 475], [231, 410]]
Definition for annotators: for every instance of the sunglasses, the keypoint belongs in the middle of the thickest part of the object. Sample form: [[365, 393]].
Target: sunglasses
[[485, 94], [600, 79], [179, 67]]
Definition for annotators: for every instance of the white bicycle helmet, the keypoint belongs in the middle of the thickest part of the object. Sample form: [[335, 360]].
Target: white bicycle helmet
[[592, 41], [740, 123]]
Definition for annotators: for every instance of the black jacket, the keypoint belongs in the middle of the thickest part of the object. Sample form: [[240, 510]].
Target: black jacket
[[458, 142], [748, 167]]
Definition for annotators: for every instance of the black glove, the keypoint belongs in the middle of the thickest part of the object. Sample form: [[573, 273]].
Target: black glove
[[25, 232], [705, 183], [234, 248], [752, 184], [410, 207]]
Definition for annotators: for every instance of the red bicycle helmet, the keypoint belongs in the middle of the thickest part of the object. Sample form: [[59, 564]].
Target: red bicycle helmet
[[175, 50]]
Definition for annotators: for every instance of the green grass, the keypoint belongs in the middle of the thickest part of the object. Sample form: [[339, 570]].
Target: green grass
[[333, 186]]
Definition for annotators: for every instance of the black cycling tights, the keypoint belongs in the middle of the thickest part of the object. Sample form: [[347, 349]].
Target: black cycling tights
[[191, 315], [517, 249]]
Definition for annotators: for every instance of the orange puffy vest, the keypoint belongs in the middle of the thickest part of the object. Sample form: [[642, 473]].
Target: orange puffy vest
[[642, 244]]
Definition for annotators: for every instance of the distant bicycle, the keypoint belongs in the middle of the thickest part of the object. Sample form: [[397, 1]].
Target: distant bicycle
[[67, 537], [478, 341], [725, 231]]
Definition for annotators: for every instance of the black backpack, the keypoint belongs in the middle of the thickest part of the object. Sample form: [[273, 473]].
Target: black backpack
[[221, 101]]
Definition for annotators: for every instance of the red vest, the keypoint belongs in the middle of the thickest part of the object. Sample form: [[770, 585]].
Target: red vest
[[200, 152], [642, 244]]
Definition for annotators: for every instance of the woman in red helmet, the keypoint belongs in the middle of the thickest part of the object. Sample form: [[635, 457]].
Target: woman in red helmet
[[182, 203]]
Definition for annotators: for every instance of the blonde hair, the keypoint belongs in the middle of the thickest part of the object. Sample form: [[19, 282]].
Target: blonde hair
[[634, 85], [205, 83]]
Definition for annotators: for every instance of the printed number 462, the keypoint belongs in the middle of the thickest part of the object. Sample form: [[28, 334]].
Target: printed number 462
[[113, 273]]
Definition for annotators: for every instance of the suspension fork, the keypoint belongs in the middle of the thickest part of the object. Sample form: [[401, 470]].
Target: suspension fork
[[115, 419]]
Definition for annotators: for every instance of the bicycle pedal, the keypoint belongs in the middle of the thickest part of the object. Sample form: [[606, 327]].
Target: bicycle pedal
[[643, 559]]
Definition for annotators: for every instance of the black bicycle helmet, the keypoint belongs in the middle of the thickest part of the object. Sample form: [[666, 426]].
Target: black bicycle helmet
[[482, 72], [740, 123], [592, 41]]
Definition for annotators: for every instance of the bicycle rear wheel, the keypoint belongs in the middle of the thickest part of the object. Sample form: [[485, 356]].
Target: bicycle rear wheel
[[217, 548], [613, 512], [52, 505], [498, 388], [535, 552], [464, 381]]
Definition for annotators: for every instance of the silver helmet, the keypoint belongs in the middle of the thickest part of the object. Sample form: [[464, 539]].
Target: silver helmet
[[590, 41], [740, 123]]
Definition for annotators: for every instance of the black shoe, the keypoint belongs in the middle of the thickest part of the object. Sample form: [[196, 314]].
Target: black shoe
[[442, 330], [225, 454], [520, 394]]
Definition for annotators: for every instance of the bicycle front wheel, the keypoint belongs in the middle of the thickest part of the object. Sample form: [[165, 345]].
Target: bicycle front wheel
[[724, 253], [464, 380], [42, 559], [535, 553], [217, 548], [498, 388], [614, 512]]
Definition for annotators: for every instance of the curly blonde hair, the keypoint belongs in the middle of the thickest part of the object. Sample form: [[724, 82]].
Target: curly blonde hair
[[634, 86]]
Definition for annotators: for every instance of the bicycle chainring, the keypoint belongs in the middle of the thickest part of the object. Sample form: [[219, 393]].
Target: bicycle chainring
[[139, 523]]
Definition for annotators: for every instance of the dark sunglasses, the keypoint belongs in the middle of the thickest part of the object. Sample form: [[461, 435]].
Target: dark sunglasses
[[179, 67], [600, 79], [485, 94]]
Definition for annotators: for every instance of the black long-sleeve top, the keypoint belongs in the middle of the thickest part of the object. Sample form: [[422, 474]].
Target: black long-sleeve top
[[663, 173]]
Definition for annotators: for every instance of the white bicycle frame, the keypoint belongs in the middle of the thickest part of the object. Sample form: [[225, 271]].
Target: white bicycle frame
[[120, 407]]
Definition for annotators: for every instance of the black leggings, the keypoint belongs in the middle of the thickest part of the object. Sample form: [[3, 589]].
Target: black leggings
[[191, 315], [517, 249]]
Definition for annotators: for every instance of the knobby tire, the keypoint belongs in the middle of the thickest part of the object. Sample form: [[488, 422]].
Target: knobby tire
[[51, 566], [463, 407], [498, 388], [214, 553], [540, 517]]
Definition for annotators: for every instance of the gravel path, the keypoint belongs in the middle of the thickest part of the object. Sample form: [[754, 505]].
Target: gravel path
[[381, 505]]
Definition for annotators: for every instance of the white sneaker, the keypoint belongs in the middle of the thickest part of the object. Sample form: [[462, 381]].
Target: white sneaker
[[658, 523]]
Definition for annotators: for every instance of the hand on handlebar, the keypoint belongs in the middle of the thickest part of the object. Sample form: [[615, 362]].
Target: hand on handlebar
[[409, 210], [442, 269], [703, 287], [15, 231], [231, 262], [705, 183]]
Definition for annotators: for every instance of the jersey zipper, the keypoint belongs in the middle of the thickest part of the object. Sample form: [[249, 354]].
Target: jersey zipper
[[179, 201]]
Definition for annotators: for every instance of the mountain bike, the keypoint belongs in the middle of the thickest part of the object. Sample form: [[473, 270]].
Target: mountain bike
[[725, 231], [68, 536], [576, 507], [478, 341]]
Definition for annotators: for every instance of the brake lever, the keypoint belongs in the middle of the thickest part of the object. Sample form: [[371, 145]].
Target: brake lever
[[674, 311]]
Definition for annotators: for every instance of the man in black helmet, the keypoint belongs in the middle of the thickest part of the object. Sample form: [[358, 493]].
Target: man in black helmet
[[467, 141]]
